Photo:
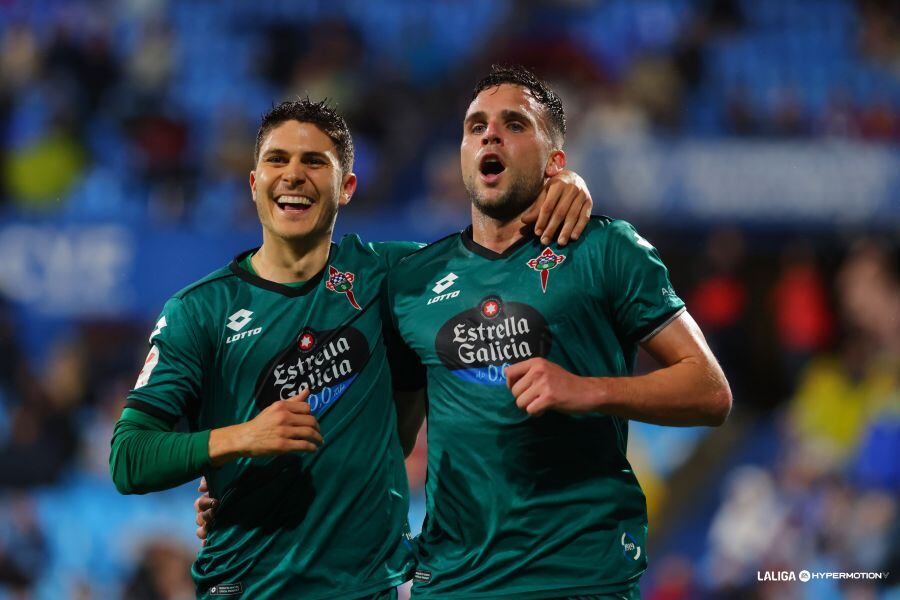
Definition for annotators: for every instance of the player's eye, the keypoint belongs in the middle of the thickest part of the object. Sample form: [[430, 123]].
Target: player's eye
[[478, 128], [276, 159], [516, 127]]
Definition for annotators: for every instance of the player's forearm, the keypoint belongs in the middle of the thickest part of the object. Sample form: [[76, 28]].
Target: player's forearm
[[684, 394], [145, 460], [226, 444]]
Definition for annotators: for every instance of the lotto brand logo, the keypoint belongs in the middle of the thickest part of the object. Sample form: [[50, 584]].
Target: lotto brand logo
[[238, 320], [444, 283]]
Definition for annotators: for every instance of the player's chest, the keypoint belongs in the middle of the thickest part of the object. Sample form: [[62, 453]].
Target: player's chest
[[280, 345], [503, 308]]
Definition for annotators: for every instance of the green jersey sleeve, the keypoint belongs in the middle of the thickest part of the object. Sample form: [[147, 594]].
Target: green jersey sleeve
[[641, 297], [407, 371], [147, 456], [169, 383]]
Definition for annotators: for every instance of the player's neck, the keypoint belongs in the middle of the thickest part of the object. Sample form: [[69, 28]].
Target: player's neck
[[285, 261], [496, 235]]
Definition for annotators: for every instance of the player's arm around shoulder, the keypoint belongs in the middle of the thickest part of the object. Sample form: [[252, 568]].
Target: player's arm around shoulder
[[407, 372]]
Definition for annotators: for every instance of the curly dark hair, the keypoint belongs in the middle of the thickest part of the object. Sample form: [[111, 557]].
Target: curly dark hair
[[321, 114], [539, 90]]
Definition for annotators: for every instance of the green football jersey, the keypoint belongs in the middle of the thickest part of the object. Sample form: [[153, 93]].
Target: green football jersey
[[329, 524], [520, 506]]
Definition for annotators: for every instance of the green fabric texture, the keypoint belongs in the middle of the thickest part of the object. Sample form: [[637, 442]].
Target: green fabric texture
[[148, 456]]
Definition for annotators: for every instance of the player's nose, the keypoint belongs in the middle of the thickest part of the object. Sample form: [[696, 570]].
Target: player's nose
[[491, 134], [295, 173]]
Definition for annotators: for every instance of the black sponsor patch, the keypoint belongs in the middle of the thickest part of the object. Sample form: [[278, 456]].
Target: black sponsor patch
[[422, 576], [478, 343], [325, 361], [227, 589]]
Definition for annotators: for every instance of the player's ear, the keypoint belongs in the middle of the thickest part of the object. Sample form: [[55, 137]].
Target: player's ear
[[253, 185], [555, 164], [348, 187]]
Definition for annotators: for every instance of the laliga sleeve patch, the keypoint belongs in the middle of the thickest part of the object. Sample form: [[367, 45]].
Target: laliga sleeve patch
[[149, 364]]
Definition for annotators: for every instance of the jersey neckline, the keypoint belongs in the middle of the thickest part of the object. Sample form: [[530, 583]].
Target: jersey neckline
[[279, 288], [469, 242]]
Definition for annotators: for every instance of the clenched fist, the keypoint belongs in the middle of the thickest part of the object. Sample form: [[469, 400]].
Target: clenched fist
[[283, 426]]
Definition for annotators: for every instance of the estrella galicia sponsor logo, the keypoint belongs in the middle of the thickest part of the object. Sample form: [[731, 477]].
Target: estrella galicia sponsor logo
[[630, 547], [325, 362], [477, 344]]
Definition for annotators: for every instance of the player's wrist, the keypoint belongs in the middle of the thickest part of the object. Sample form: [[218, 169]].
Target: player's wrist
[[598, 394], [225, 445]]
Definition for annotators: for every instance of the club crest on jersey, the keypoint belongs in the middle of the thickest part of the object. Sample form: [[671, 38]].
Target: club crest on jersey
[[543, 262], [342, 283]]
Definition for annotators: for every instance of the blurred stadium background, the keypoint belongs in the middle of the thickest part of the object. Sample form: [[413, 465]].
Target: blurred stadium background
[[755, 142]]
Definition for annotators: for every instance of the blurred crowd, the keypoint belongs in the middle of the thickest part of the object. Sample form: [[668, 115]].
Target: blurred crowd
[[817, 482], [145, 111]]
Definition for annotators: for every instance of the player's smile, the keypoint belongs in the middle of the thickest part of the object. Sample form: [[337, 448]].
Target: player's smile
[[293, 203]]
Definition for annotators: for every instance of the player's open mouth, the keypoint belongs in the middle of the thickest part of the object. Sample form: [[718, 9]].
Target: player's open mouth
[[491, 168], [293, 203]]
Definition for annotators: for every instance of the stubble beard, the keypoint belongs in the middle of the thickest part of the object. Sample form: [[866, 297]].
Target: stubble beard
[[518, 198]]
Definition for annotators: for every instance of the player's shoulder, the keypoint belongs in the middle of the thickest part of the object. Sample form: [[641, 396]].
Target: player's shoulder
[[603, 226], [218, 277], [427, 253], [394, 252], [604, 231]]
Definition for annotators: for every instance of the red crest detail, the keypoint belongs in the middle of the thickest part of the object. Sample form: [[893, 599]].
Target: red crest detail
[[342, 283], [543, 263]]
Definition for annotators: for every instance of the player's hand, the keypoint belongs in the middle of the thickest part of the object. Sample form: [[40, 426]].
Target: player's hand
[[539, 385], [206, 511], [563, 209], [283, 426]]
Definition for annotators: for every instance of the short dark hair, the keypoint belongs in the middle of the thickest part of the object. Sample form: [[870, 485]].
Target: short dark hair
[[321, 114], [539, 90]]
